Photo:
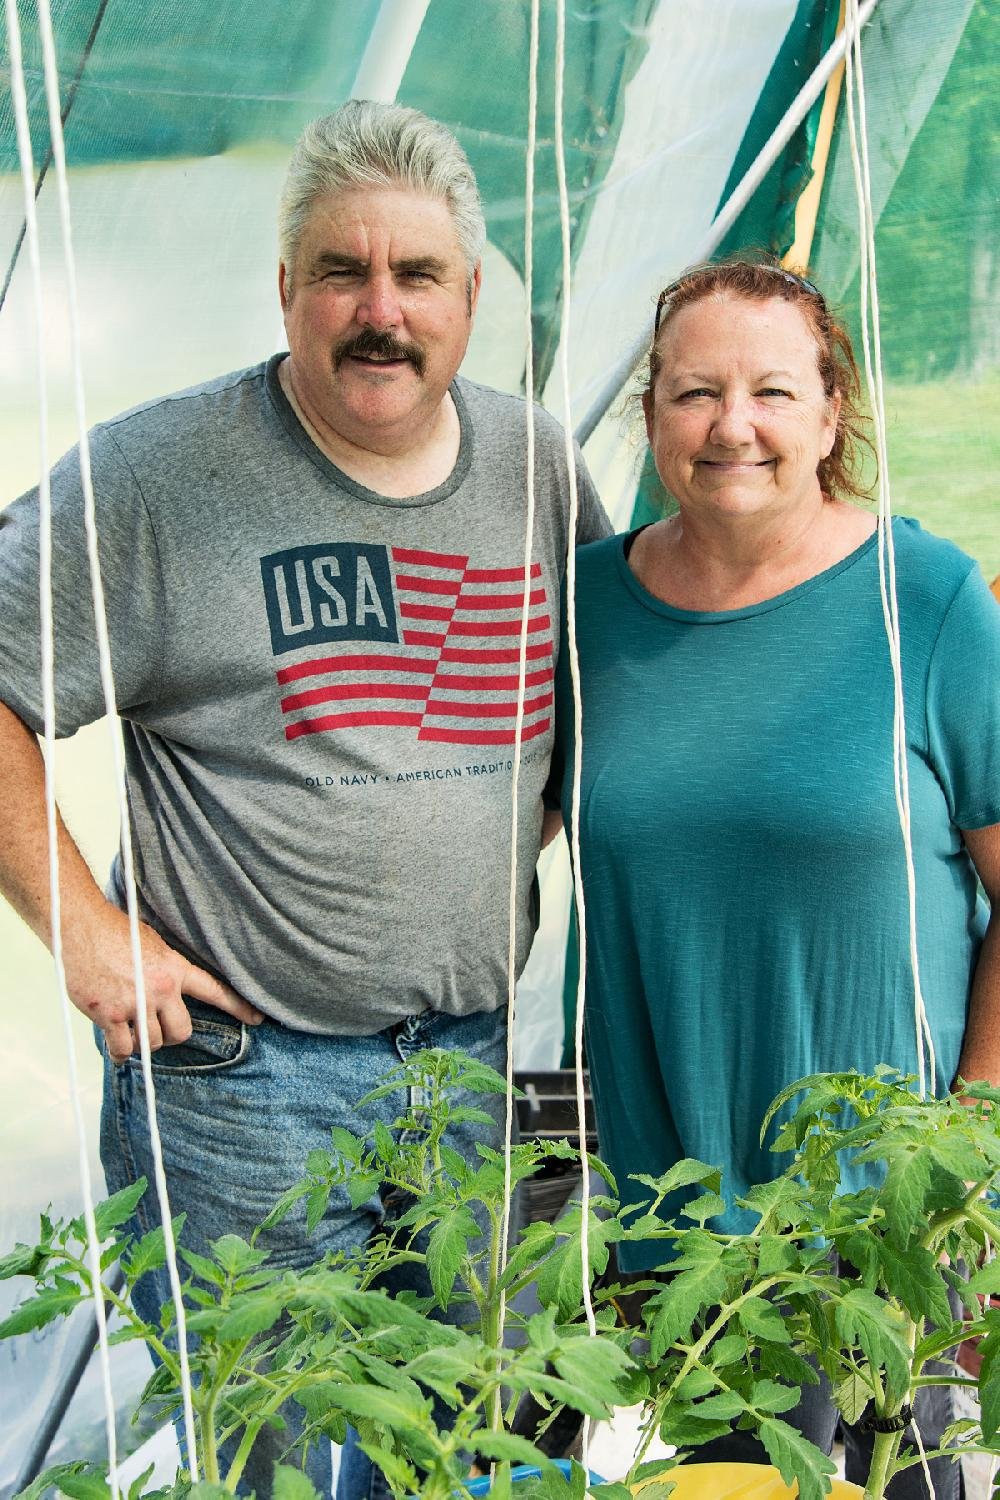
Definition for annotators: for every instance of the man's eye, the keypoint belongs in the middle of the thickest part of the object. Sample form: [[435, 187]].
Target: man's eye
[[419, 277]]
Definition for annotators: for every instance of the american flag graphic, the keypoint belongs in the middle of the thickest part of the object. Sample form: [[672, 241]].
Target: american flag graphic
[[449, 668]]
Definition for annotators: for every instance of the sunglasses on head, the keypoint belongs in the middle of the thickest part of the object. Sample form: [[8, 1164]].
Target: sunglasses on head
[[789, 276]]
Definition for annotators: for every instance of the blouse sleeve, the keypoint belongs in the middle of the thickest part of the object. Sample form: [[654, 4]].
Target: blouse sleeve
[[963, 705]]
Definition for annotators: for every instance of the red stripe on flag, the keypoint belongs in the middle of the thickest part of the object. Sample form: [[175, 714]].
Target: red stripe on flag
[[344, 721], [468, 680], [422, 638], [481, 736], [428, 559], [428, 585], [495, 654], [355, 690], [324, 664], [463, 710], [498, 627], [424, 612], [501, 575], [499, 601]]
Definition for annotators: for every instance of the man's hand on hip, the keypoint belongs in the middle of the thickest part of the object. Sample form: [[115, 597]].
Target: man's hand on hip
[[101, 983]]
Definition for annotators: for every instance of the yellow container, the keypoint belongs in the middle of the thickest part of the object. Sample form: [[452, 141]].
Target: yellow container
[[738, 1482]]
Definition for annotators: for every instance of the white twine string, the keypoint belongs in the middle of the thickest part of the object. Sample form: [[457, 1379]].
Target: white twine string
[[25, 154], [574, 666], [529, 364], [871, 339], [107, 683]]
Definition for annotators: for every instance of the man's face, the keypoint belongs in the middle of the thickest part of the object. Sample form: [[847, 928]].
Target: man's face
[[378, 312]]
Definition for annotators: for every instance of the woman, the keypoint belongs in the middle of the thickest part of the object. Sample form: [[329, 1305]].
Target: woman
[[742, 861]]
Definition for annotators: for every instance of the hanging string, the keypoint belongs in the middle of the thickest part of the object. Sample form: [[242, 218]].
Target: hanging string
[[107, 682], [529, 365], [871, 344], [574, 666], [25, 154]]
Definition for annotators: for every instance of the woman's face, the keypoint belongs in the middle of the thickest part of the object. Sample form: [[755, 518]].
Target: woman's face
[[738, 420]]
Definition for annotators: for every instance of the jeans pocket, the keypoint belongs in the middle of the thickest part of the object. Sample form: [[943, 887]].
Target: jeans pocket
[[216, 1042]]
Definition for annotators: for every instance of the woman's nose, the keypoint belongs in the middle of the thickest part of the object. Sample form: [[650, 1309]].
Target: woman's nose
[[733, 424]]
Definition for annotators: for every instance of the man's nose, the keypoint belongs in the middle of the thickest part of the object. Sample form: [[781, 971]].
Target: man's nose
[[379, 306]]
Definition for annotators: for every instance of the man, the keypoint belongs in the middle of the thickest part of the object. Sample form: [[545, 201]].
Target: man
[[314, 572]]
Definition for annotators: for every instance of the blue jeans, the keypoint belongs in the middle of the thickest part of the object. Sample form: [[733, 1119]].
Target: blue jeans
[[239, 1109]]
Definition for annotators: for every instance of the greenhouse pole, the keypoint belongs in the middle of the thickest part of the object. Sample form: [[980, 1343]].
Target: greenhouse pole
[[722, 224], [392, 39]]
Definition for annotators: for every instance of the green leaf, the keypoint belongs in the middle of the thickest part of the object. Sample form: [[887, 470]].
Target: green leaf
[[762, 1320], [796, 1458], [723, 1407], [362, 1186], [399, 1471], [768, 1395], [443, 1370], [907, 1184], [446, 1249], [687, 1172], [23, 1260], [536, 1240], [384, 1143], [316, 1204], [250, 1315], [37, 1311], [391, 1408], [852, 1395], [989, 1384], [150, 1253], [727, 1350], [205, 1269], [118, 1208], [347, 1144], [705, 1206], [986, 1281], [866, 1321], [235, 1256], [53, 1478], [594, 1367], [684, 1429], [700, 1283], [502, 1445], [91, 1485], [913, 1276], [292, 1484], [205, 1490]]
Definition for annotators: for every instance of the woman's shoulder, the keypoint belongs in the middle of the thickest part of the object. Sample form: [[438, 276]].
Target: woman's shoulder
[[931, 567]]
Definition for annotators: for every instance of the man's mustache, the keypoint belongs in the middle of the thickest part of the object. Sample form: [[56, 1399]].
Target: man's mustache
[[371, 344]]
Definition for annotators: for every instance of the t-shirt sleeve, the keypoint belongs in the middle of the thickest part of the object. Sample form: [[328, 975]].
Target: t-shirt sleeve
[[592, 522], [963, 705], [133, 588]]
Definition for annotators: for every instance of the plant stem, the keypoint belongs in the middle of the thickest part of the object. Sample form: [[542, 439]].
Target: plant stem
[[884, 1451]]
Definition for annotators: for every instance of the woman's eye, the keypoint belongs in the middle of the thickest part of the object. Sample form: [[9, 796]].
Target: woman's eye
[[695, 393], [773, 390]]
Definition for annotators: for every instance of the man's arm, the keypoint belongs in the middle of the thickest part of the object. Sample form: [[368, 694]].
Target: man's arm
[[980, 1057], [96, 944]]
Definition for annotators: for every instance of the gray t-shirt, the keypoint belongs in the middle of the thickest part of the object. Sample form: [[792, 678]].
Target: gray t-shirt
[[318, 686]]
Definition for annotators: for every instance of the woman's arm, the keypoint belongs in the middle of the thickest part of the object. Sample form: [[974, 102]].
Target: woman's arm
[[980, 1057]]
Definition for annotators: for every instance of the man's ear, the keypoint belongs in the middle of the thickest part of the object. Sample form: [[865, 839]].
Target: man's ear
[[284, 286], [474, 287]]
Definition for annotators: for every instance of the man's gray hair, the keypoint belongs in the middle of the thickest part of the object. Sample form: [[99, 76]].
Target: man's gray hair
[[366, 144]]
